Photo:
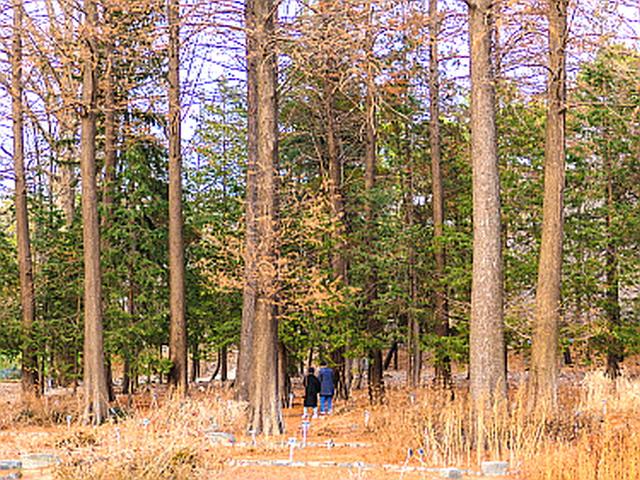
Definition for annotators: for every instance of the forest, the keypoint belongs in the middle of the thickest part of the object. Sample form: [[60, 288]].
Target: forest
[[440, 200]]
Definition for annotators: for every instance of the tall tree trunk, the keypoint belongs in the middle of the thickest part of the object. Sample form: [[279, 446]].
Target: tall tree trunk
[[265, 413], [245, 355], [111, 395], [544, 351], [488, 381], [283, 374], [339, 363], [108, 185], [443, 362], [392, 356], [126, 376], [95, 384], [338, 260], [215, 372], [413, 322], [127, 383], [615, 347], [178, 323], [224, 370], [195, 362], [414, 327], [27, 293], [376, 370]]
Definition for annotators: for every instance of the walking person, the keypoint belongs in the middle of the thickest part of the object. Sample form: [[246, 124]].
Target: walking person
[[326, 389], [311, 391]]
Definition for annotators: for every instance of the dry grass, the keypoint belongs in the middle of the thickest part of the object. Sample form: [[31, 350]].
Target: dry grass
[[167, 442], [39, 411], [606, 440], [594, 436]]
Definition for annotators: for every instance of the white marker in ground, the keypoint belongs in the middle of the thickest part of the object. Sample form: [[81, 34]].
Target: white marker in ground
[[305, 429], [292, 446]]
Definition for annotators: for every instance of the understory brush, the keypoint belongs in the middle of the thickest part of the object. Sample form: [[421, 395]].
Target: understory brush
[[606, 441], [41, 411], [167, 442]]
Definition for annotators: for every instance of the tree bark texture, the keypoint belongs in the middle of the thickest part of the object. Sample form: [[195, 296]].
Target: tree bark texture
[[376, 370], [224, 373], [615, 347], [441, 314], [27, 292], [126, 376], [108, 185], [195, 362], [128, 383], [413, 322], [338, 260], [178, 322], [544, 351], [338, 257], [284, 381], [265, 413], [249, 290], [487, 372], [392, 356], [95, 384]]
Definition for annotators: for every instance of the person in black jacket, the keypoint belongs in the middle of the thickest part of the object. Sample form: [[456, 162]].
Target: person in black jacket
[[311, 391]]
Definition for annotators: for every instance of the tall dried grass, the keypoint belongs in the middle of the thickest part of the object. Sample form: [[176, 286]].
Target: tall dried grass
[[168, 442], [606, 441], [595, 433], [43, 411]]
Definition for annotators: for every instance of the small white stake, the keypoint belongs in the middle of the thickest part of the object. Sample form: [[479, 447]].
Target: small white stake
[[292, 445], [305, 429]]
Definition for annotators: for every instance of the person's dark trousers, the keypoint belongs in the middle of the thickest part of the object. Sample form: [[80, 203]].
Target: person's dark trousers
[[326, 404]]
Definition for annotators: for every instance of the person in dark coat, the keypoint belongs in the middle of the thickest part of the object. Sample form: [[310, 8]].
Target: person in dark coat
[[326, 389], [311, 391]]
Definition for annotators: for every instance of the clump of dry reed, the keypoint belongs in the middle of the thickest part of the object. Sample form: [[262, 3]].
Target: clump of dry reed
[[44, 411], [595, 433], [607, 447], [167, 442]]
